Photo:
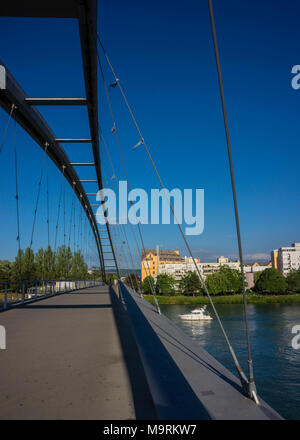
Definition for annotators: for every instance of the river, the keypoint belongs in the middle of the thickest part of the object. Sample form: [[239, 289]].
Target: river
[[276, 363]]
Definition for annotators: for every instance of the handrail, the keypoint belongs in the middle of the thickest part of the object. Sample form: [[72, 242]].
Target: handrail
[[34, 290]]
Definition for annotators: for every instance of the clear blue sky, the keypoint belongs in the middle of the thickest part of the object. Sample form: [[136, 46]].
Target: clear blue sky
[[163, 55]]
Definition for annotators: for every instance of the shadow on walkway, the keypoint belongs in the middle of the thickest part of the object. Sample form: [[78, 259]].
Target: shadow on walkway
[[142, 399], [174, 397]]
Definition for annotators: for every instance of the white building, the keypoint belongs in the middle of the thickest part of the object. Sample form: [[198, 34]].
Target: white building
[[288, 258], [178, 270], [257, 267]]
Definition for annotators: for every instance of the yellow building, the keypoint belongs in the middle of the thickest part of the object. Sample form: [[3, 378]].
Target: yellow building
[[152, 258], [274, 258]]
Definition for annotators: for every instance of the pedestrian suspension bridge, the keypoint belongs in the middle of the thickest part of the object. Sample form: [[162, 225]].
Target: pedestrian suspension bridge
[[80, 348]]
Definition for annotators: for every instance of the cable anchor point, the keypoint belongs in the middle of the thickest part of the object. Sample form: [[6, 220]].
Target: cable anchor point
[[114, 85], [141, 142]]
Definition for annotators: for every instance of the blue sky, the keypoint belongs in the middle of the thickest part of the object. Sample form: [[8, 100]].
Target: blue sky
[[163, 54]]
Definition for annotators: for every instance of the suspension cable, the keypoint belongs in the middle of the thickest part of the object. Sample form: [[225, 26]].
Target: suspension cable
[[122, 226], [79, 227], [64, 211], [252, 387], [71, 216], [141, 237], [17, 186], [128, 273], [58, 211], [242, 376], [74, 227], [125, 171], [47, 196], [38, 195], [6, 127]]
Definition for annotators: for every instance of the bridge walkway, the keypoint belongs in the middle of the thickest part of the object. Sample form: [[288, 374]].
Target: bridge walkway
[[64, 360]]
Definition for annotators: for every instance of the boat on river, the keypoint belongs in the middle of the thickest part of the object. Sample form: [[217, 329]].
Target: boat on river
[[197, 315]]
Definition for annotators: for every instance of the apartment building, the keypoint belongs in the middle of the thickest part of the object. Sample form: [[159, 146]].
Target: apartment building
[[288, 258], [158, 261], [257, 267], [179, 269], [155, 259]]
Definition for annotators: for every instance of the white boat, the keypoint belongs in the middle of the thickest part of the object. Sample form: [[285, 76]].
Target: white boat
[[197, 315]]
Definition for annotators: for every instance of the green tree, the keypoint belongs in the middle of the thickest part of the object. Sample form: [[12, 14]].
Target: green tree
[[40, 266], [226, 280], [215, 284], [133, 280], [79, 269], [148, 285], [5, 270], [165, 285], [233, 278], [28, 266], [96, 274], [67, 265], [50, 263], [270, 281], [293, 281], [45, 265], [190, 284], [17, 270]]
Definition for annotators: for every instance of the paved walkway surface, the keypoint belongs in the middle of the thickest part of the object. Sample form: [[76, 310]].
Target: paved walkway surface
[[64, 360]]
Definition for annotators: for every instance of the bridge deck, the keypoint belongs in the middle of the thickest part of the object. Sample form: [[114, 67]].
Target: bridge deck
[[185, 381], [105, 353], [64, 360]]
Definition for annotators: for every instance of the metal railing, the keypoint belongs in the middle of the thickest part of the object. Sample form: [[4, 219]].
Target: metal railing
[[14, 293]]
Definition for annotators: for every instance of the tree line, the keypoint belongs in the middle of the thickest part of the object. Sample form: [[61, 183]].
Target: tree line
[[225, 281], [45, 264]]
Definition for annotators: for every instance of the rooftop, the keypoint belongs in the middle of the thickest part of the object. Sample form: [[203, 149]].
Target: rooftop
[[171, 255]]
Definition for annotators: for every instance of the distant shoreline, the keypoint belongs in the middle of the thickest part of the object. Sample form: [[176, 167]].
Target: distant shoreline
[[226, 299]]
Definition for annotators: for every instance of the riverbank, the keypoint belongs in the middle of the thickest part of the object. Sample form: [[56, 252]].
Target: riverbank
[[226, 299]]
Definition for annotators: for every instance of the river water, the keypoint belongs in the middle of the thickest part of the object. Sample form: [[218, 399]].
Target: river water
[[276, 362]]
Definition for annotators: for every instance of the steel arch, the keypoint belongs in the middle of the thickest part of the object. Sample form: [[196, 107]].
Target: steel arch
[[32, 121]]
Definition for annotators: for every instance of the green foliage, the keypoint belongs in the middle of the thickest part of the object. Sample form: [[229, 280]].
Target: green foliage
[[293, 281], [257, 275], [165, 285], [110, 277], [133, 280], [79, 269], [44, 265], [17, 267], [270, 281], [96, 273], [190, 284], [5, 270], [224, 299], [148, 285], [226, 280]]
